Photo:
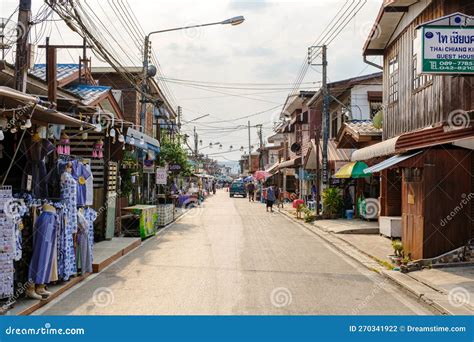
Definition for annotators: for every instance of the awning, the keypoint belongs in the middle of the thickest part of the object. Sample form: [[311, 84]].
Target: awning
[[352, 170], [42, 115], [289, 163], [390, 162], [272, 168], [149, 142], [311, 162], [380, 149]]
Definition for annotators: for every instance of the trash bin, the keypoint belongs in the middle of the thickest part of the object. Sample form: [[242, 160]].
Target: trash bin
[[349, 214]]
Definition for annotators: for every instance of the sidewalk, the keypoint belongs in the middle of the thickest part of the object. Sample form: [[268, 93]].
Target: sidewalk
[[450, 290], [105, 253]]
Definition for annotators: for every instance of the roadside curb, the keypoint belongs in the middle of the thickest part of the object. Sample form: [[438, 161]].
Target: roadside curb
[[430, 295]]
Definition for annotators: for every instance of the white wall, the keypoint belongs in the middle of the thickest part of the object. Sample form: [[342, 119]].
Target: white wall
[[359, 103]]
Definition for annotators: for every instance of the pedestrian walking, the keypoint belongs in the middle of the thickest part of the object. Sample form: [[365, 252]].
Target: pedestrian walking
[[270, 197], [277, 191], [251, 191]]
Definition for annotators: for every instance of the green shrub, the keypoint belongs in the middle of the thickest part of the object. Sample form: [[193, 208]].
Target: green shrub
[[332, 201]]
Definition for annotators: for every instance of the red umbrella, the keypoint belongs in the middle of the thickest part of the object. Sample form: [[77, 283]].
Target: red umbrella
[[261, 175]]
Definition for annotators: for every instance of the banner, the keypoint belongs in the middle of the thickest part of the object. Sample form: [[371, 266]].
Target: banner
[[238, 328]]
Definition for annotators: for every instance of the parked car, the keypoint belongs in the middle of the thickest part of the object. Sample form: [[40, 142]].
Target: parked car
[[237, 188]]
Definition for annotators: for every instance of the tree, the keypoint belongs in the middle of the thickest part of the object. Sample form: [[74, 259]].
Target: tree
[[172, 152]]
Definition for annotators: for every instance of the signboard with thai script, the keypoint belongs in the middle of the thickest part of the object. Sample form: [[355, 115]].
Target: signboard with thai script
[[161, 176], [447, 45]]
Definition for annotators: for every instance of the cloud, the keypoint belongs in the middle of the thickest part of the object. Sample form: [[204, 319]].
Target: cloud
[[254, 51], [249, 5]]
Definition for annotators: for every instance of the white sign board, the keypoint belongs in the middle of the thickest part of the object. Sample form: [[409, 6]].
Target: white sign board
[[161, 176], [447, 46]]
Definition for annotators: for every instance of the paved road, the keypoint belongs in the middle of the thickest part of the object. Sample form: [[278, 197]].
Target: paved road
[[231, 257]]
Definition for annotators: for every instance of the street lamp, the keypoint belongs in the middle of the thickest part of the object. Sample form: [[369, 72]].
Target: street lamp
[[231, 21]]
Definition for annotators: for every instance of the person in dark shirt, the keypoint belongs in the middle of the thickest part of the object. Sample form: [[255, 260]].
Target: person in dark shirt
[[251, 191]]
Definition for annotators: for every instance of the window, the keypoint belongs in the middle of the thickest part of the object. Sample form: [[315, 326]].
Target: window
[[419, 80], [393, 79], [375, 107]]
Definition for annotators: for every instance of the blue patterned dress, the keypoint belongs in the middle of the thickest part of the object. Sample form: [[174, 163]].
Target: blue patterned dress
[[43, 243], [91, 215], [66, 254]]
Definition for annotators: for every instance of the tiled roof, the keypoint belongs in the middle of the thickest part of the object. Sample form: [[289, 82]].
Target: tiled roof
[[63, 70], [88, 93], [363, 127]]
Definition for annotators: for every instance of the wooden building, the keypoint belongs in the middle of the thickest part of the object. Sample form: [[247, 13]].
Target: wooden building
[[430, 171]]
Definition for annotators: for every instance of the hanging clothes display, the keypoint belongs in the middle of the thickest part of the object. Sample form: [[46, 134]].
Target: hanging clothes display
[[64, 145], [35, 175], [98, 150], [89, 186], [6, 244], [80, 174], [84, 253], [90, 215], [44, 236], [68, 226]]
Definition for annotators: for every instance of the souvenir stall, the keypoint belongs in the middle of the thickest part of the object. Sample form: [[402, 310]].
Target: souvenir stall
[[139, 179], [45, 215]]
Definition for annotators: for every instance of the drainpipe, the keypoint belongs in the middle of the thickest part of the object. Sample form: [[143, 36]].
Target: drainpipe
[[375, 65]]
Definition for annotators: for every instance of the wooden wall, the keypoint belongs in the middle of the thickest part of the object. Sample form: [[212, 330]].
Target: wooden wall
[[432, 104], [442, 191]]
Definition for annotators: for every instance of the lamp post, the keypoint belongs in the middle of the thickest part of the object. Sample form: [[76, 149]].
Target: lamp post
[[149, 72]]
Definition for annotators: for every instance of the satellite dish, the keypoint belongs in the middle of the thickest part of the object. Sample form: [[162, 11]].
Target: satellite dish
[[295, 148], [151, 71]]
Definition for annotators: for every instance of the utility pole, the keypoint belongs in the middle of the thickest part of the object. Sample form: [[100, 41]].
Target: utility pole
[[325, 89], [195, 143], [22, 48], [260, 157], [250, 151]]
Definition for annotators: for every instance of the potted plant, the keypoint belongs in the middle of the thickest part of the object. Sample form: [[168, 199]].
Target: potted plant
[[332, 203], [397, 252]]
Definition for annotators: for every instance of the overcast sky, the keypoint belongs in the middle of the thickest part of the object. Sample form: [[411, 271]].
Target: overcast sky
[[269, 47]]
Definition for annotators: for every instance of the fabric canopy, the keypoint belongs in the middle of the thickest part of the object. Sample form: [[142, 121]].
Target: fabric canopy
[[149, 142], [290, 163], [352, 170], [380, 149], [390, 162]]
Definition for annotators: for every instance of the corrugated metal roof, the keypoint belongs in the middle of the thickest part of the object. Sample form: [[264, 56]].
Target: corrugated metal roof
[[63, 71], [88, 93]]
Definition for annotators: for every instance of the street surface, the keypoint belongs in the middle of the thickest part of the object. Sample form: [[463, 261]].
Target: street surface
[[232, 257]]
